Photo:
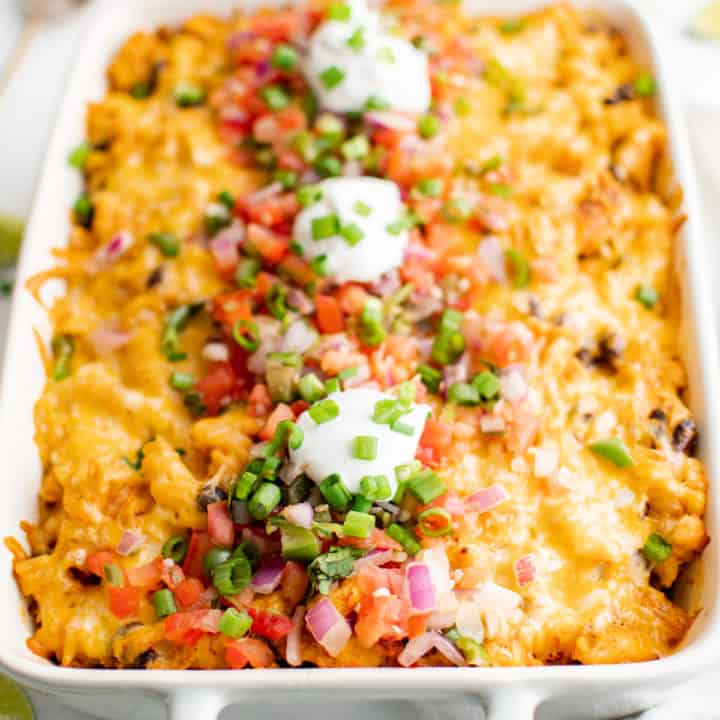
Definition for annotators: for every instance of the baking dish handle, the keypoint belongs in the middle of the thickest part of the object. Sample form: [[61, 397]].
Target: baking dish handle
[[512, 705], [195, 705]]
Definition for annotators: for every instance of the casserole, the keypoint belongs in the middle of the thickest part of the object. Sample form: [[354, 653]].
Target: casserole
[[515, 701]]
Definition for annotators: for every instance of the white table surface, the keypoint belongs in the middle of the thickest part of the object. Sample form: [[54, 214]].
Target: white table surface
[[35, 89]]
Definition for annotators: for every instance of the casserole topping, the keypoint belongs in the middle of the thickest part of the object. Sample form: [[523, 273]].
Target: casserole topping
[[368, 352]]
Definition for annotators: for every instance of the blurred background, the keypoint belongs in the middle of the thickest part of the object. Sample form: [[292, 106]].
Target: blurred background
[[37, 42]]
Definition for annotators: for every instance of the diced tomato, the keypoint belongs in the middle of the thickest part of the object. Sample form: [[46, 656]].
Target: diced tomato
[[231, 307], [96, 562], [280, 413], [292, 118], [264, 282], [376, 539], [402, 348], [417, 624], [418, 273], [146, 576], [522, 430], [172, 575], [352, 298], [294, 582], [329, 315], [220, 524], [435, 442], [124, 601], [299, 407], [183, 627], [267, 129], [188, 592], [238, 653], [217, 386], [333, 361], [259, 401], [270, 212], [276, 25], [371, 577], [382, 616], [197, 549], [234, 656], [270, 245], [270, 624], [298, 269], [225, 255]]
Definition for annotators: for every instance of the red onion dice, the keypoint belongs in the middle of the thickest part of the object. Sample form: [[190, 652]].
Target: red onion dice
[[130, 541], [420, 588], [328, 627], [488, 498], [300, 514], [268, 575]]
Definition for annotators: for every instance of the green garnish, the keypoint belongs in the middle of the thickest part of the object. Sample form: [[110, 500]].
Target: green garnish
[[429, 187], [449, 343], [613, 450], [284, 57], [247, 335], [457, 210], [358, 524], [325, 226], [356, 148], [362, 208], [319, 265], [364, 447], [337, 563], [181, 380], [84, 210], [175, 322], [233, 575], [334, 491], [78, 157], [166, 243], [234, 623], [428, 126], [246, 272], [647, 296], [376, 103], [357, 40], [339, 11], [175, 548], [461, 106], [426, 486], [188, 95], [375, 487], [311, 388], [331, 77], [351, 233], [63, 347], [656, 548], [645, 85], [324, 411], [521, 268], [275, 97], [371, 329], [401, 535], [430, 377], [513, 25], [264, 500], [309, 195], [164, 603]]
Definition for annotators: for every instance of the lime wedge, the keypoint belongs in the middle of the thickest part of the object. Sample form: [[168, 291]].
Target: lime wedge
[[706, 24], [11, 233], [14, 705]]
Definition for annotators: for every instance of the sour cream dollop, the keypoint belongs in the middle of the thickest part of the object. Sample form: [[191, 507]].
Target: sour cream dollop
[[352, 60], [327, 447], [361, 248]]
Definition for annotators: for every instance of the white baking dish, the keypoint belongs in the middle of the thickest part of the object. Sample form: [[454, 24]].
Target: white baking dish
[[564, 692]]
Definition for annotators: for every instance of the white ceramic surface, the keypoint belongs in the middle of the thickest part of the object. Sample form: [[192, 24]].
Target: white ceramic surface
[[571, 692]]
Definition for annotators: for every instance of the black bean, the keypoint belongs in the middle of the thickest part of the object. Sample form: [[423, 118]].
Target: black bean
[[684, 437], [658, 414], [623, 93], [155, 277], [535, 308], [584, 356], [610, 349], [210, 494], [84, 578], [142, 660]]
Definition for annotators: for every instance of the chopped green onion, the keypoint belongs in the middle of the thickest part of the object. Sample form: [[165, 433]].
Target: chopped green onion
[[358, 524], [428, 125], [63, 347], [324, 411], [214, 557], [338, 11], [78, 157], [225, 197], [492, 164], [435, 522], [375, 487], [361, 504], [311, 388], [175, 548], [175, 323], [449, 343], [357, 40], [376, 103], [647, 296], [401, 535], [463, 393], [166, 243], [114, 575], [275, 97], [246, 272], [299, 489], [457, 210], [429, 187], [356, 148], [331, 77], [164, 603], [461, 106], [645, 85], [385, 54], [475, 654], [487, 384], [264, 500], [613, 450], [245, 485], [217, 217], [287, 178], [402, 427], [335, 492], [430, 377], [325, 226], [298, 543], [181, 380], [140, 91], [309, 195], [332, 385], [426, 486], [521, 268], [275, 301], [284, 57], [320, 266], [286, 359], [327, 166], [286, 432], [270, 466], [501, 190], [233, 575], [513, 25], [371, 330], [247, 335], [234, 623], [84, 210], [364, 447], [188, 95], [656, 548], [347, 373]]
